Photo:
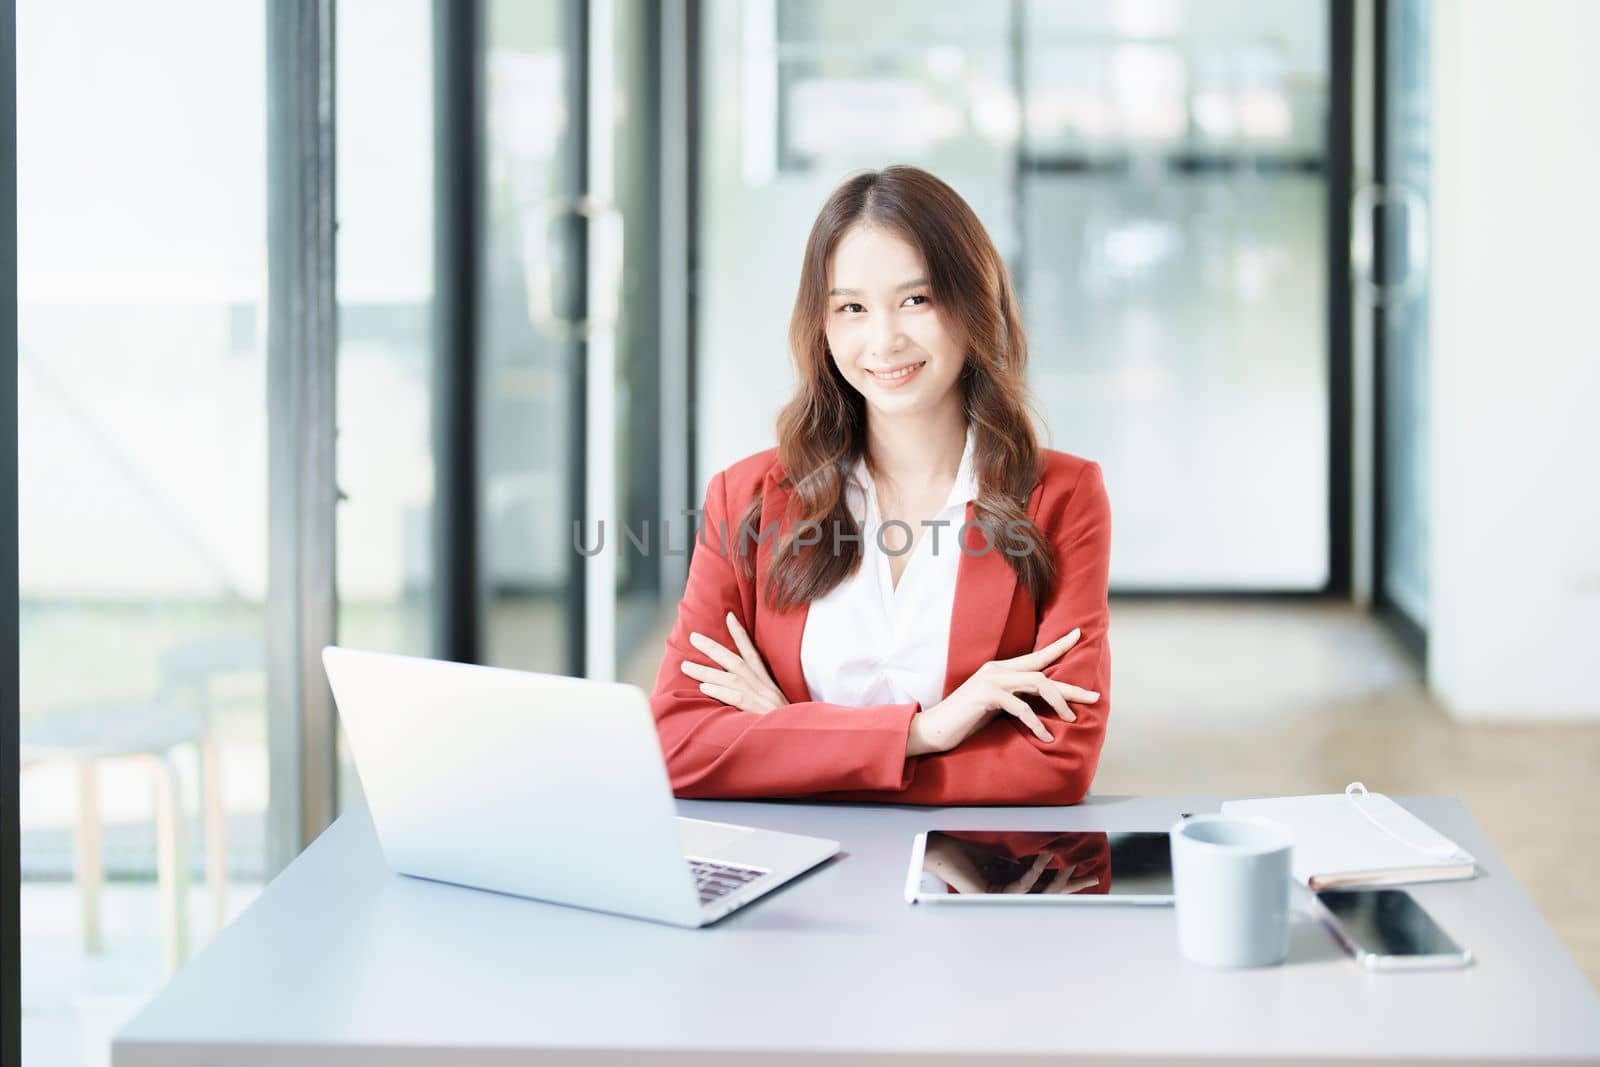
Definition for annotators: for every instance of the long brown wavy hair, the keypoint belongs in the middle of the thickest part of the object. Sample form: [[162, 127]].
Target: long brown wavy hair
[[822, 431]]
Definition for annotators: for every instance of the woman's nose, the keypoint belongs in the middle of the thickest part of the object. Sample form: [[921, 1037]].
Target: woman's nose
[[888, 338]]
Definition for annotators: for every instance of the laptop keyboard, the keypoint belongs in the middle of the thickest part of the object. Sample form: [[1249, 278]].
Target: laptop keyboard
[[715, 880]]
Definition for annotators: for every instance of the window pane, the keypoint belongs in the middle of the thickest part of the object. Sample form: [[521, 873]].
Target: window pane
[[142, 498], [385, 290]]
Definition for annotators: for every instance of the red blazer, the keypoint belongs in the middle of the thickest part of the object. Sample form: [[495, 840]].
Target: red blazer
[[811, 748]]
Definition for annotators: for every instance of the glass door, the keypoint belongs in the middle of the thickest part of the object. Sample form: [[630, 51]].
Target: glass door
[[570, 364], [1174, 189], [1156, 176], [531, 402]]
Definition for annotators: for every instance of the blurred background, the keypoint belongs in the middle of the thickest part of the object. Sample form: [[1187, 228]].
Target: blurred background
[[335, 316]]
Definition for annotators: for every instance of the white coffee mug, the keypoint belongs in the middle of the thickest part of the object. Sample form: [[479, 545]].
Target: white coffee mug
[[1230, 879]]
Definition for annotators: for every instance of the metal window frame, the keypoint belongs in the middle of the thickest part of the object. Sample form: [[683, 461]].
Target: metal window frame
[[1019, 164], [678, 147], [458, 101], [689, 260], [10, 832], [302, 352], [575, 37], [1341, 349], [599, 337]]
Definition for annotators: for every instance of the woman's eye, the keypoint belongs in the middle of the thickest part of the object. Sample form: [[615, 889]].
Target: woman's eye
[[857, 307]]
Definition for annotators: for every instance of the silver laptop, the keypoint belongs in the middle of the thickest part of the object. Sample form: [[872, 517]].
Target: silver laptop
[[542, 786]]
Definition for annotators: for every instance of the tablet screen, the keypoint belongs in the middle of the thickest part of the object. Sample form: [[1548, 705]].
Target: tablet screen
[[1001, 862]]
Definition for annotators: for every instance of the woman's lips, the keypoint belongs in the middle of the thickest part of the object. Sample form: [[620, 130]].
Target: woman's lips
[[898, 376]]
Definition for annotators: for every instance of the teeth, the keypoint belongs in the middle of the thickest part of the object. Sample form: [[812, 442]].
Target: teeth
[[901, 373]]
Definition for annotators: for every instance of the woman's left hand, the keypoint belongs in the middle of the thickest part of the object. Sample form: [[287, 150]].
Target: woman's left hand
[[743, 682]]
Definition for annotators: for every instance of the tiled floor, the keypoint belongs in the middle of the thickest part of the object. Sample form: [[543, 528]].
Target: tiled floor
[[72, 1002]]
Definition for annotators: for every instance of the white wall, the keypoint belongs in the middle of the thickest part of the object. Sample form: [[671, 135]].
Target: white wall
[[1515, 456]]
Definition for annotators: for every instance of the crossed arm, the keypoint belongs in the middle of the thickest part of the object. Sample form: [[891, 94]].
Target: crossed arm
[[728, 731]]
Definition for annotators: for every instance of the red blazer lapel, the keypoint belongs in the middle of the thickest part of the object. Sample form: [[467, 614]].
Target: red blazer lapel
[[984, 586], [776, 634]]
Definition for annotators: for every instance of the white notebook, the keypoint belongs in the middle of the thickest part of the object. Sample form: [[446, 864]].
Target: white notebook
[[1360, 838]]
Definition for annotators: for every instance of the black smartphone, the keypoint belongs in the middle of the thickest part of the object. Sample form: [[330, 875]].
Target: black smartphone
[[1387, 930]]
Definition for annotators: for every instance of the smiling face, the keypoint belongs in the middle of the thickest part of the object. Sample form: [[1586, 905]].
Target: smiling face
[[887, 337]]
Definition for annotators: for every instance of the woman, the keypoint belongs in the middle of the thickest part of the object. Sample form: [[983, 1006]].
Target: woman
[[892, 603]]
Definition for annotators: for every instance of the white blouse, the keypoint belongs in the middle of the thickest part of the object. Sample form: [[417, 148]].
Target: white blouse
[[869, 641]]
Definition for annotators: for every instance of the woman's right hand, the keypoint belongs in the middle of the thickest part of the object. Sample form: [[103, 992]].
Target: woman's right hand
[[993, 690]]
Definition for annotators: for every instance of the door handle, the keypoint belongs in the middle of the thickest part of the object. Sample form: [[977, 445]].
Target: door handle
[[544, 249], [1364, 207]]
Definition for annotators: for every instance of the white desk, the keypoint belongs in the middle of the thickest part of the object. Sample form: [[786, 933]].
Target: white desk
[[340, 962]]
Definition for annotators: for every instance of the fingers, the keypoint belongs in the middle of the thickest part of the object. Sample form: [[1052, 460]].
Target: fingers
[[730, 695], [747, 647], [1077, 694], [715, 652], [1048, 690], [743, 682], [733, 690], [701, 672], [1041, 658], [1014, 705]]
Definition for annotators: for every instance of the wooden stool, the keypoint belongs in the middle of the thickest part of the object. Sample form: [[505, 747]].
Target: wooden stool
[[146, 733]]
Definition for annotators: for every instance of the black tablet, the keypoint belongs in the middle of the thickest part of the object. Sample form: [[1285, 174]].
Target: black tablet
[[1040, 866]]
